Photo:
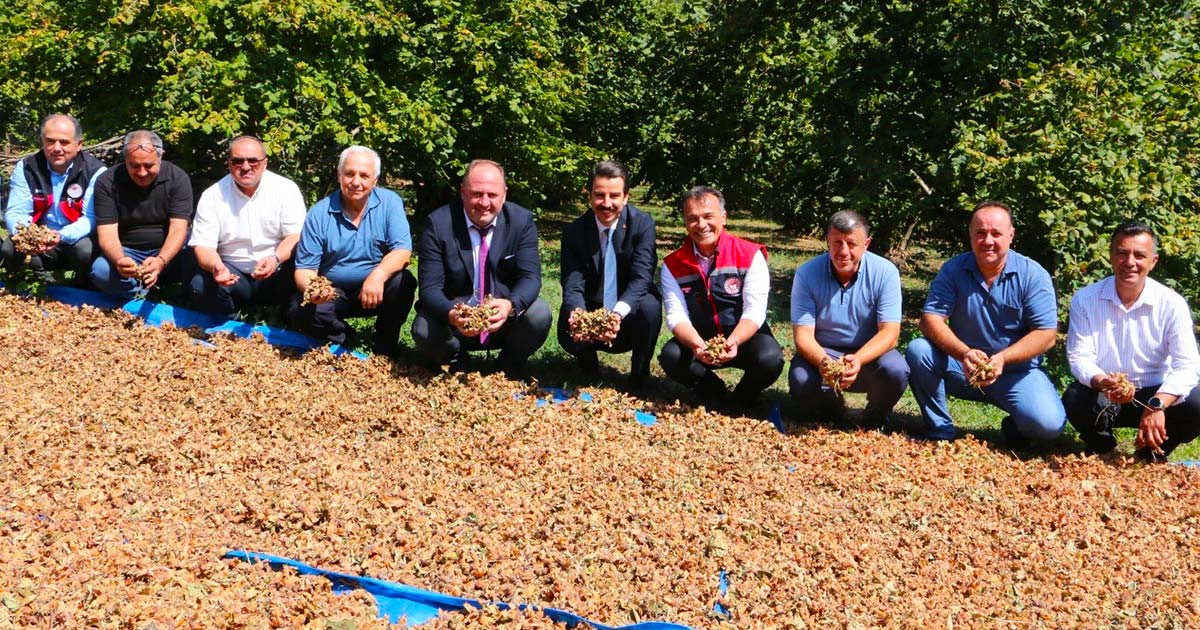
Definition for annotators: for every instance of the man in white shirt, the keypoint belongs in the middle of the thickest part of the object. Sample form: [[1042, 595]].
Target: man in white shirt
[[244, 234], [717, 284], [1130, 324]]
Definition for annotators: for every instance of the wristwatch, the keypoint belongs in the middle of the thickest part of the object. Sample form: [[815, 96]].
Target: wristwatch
[[1155, 403]]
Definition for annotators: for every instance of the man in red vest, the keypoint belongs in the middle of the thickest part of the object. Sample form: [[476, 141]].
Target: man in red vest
[[53, 188], [717, 284]]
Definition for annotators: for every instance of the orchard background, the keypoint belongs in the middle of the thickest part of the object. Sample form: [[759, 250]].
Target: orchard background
[[1079, 113]]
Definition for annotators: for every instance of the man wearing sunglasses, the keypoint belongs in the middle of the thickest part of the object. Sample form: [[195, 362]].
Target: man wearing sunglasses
[[246, 228], [53, 188], [143, 212]]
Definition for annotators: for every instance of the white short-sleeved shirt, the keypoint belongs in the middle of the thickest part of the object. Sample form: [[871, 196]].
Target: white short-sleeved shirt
[[244, 229]]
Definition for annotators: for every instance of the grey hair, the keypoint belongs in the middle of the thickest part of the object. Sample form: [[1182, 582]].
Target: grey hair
[[846, 221], [700, 192], [358, 148], [74, 122], [142, 135]]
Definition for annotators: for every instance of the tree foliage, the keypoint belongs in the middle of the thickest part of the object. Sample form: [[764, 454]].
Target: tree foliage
[[430, 84], [1079, 114]]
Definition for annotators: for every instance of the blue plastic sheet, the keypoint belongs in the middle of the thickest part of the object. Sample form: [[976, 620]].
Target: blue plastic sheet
[[559, 395], [157, 314], [417, 606]]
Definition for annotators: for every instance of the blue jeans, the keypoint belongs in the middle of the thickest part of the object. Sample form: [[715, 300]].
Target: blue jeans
[[106, 278], [884, 380], [1026, 394]]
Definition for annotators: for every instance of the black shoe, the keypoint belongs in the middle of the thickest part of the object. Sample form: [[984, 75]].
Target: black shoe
[[710, 391], [638, 385], [589, 364], [1147, 455], [1012, 435], [461, 363]]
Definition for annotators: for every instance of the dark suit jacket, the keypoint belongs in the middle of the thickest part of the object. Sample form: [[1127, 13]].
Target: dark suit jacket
[[581, 258], [447, 275]]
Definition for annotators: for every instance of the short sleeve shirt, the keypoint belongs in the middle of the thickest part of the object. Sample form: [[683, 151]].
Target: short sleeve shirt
[[346, 254], [244, 230], [845, 318], [993, 318], [143, 214]]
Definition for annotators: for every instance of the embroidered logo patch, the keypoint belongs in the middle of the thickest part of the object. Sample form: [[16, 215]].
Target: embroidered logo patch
[[733, 286], [75, 191]]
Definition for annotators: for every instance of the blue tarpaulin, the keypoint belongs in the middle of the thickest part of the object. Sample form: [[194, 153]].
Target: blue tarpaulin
[[417, 606], [157, 314]]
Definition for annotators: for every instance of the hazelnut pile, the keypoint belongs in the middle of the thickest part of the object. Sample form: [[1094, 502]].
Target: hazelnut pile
[[476, 317], [319, 290], [599, 325], [832, 371], [715, 347], [132, 459], [32, 238], [982, 373]]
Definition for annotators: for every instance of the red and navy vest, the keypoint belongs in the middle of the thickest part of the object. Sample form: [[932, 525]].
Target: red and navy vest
[[37, 176], [714, 302]]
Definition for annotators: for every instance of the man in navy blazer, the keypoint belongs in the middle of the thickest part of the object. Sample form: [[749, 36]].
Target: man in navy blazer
[[628, 289], [480, 225]]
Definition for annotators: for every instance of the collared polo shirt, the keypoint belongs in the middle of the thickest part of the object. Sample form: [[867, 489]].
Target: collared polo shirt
[[346, 254], [244, 230], [993, 318], [142, 215], [845, 318]]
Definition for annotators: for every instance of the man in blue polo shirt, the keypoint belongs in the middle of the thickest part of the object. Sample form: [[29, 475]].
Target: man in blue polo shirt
[[1001, 311], [846, 305], [358, 237]]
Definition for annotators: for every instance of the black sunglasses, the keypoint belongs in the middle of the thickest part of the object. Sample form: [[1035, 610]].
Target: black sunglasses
[[252, 161]]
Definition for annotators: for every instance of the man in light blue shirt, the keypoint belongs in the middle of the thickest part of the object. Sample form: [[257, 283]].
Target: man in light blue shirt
[[359, 238], [53, 188], [846, 305], [989, 306]]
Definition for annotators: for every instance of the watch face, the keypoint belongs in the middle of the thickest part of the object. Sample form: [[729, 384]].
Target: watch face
[[1155, 403]]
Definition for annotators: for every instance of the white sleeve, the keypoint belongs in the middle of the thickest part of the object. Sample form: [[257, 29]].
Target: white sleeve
[[292, 209], [206, 227], [755, 290], [673, 302], [1082, 341], [1181, 376]]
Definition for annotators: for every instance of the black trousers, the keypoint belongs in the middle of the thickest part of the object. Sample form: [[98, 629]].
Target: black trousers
[[760, 358], [638, 334], [209, 297], [1085, 408], [77, 257], [328, 321], [517, 339]]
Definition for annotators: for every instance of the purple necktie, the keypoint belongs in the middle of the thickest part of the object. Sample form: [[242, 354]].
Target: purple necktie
[[481, 277]]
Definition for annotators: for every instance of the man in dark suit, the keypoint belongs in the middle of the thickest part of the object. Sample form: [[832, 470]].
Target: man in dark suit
[[608, 261], [480, 231]]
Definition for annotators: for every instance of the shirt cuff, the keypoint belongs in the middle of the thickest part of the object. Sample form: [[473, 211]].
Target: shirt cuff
[[622, 309]]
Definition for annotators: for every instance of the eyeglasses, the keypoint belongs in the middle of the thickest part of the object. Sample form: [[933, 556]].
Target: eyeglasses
[[252, 161], [147, 147]]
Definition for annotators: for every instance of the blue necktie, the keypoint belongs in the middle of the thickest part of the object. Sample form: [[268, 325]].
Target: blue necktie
[[610, 271]]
